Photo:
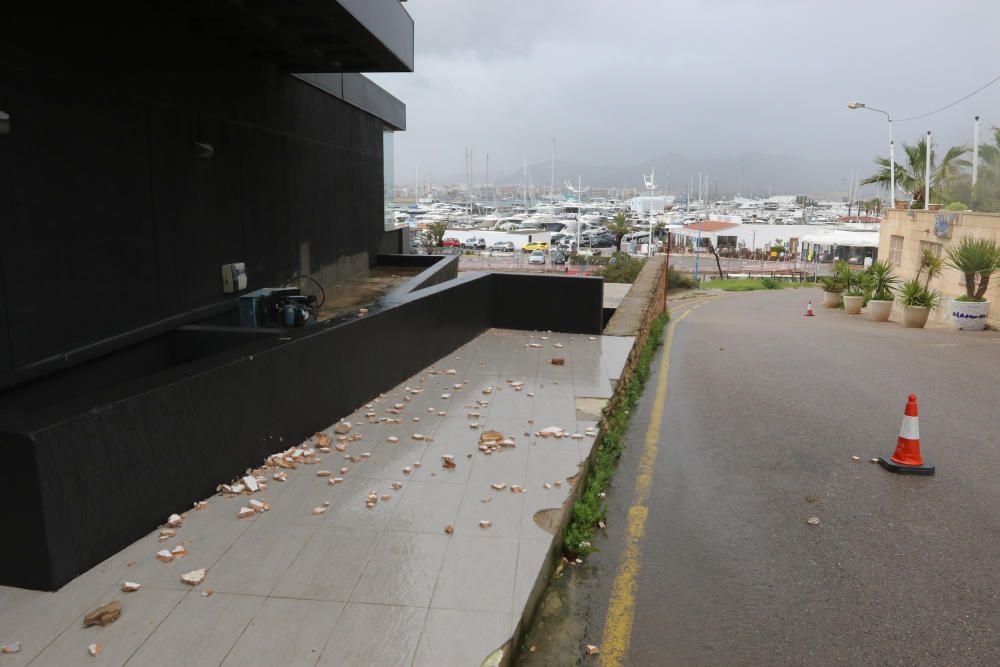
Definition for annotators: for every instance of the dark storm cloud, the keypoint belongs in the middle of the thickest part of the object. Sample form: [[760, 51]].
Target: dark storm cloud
[[620, 82]]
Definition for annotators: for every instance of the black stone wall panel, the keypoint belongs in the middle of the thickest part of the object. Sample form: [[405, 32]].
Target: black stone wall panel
[[113, 224], [110, 474], [548, 302]]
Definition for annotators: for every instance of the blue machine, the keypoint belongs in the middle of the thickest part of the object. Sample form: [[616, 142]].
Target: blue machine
[[277, 307]]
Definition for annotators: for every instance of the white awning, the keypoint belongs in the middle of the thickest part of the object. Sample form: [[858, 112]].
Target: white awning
[[844, 238]]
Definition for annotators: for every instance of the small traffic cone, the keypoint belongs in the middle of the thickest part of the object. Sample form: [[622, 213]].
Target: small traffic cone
[[809, 310], [906, 459]]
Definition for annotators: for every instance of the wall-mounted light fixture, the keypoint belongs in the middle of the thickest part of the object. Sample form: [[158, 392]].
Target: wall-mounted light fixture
[[203, 151], [4, 122]]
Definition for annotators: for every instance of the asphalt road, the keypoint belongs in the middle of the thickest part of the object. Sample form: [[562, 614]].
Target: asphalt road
[[764, 410]]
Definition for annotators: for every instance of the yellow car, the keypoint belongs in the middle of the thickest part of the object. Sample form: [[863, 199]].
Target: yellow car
[[537, 245]]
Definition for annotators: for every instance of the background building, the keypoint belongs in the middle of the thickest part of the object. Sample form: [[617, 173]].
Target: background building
[[906, 234]]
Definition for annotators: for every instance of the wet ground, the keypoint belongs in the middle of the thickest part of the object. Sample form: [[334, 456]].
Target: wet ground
[[764, 413], [397, 541], [360, 291]]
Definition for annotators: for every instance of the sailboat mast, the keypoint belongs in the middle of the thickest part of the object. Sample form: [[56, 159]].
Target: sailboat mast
[[552, 175], [524, 180]]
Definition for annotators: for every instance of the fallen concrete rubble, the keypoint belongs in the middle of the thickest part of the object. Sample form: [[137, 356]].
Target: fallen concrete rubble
[[363, 478]]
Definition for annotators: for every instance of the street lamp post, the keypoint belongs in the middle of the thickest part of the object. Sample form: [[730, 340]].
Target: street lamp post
[[927, 174], [892, 148]]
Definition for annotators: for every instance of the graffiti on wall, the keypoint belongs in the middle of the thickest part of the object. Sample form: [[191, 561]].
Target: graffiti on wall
[[943, 223]]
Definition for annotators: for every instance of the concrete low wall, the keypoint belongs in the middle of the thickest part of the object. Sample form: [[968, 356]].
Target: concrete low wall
[[918, 229], [642, 302]]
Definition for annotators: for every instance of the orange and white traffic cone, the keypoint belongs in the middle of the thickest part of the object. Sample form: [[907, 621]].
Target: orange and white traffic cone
[[906, 459], [809, 310]]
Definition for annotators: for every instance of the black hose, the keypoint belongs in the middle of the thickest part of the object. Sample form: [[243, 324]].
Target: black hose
[[322, 291]]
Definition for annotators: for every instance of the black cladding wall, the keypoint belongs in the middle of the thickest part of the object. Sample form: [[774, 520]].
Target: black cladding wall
[[110, 222], [98, 472]]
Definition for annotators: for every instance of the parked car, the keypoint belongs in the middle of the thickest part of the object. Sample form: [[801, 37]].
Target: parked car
[[537, 257], [473, 243], [451, 243], [602, 242], [502, 246], [557, 257], [535, 245]]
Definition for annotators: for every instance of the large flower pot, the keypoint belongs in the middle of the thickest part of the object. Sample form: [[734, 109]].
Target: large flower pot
[[969, 315], [915, 317], [853, 304], [902, 203], [831, 299], [879, 311]]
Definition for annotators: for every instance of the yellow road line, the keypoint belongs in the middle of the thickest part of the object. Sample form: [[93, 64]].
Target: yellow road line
[[621, 610]]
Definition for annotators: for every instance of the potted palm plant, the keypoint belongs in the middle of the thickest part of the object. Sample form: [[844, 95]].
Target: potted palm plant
[[883, 286], [978, 259], [930, 263], [833, 286], [857, 283], [918, 302], [832, 291]]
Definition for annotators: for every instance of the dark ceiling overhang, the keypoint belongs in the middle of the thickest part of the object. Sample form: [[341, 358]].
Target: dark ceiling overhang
[[313, 35]]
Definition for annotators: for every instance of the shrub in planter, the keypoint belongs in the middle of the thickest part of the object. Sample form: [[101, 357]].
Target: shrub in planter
[[834, 286], [918, 302], [978, 259], [883, 282], [832, 290], [857, 283], [956, 206]]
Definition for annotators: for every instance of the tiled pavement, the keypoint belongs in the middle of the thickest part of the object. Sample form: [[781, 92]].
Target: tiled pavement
[[357, 585]]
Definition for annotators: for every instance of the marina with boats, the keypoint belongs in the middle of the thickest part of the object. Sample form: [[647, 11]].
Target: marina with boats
[[777, 228]]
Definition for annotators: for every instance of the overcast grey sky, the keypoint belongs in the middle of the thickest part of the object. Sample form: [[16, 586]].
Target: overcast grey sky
[[622, 81]]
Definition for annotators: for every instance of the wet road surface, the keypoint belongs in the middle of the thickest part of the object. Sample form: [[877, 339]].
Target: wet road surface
[[763, 412]]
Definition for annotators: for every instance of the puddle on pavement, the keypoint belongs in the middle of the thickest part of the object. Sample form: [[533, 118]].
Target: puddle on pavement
[[549, 519], [360, 291], [590, 409], [560, 627]]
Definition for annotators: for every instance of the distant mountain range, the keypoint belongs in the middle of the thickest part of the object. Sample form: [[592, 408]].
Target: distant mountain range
[[749, 173]]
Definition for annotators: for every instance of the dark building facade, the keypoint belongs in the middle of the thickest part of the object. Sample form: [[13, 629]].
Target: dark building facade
[[143, 147], [140, 152]]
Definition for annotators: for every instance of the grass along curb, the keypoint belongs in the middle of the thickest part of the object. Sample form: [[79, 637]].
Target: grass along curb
[[590, 508], [751, 284]]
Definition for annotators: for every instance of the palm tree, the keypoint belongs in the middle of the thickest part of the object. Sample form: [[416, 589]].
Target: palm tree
[[877, 206], [986, 196], [620, 226], [910, 176], [931, 263]]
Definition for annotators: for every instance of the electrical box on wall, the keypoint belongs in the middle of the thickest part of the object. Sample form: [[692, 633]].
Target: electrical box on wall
[[234, 277]]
